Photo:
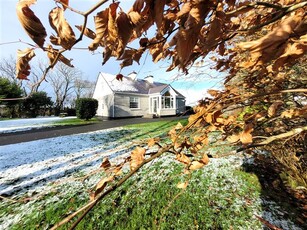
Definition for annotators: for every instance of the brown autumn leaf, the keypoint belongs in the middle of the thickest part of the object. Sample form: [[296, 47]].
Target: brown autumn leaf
[[152, 141], [298, 112], [292, 52], [158, 13], [53, 53], [101, 26], [22, 65], [137, 157], [111, 40], [100, 186], [65, 3], [106, 164], [125, 30], [178, 126], [60, 25], [213, 92], [119, 77], [205, 159], [87, 32], [246, 136], [269, 43], [196, 165], [30, 22], [138, 5], [188, 35], [183, 159], [182, 185], [274, 107], [233, 138], [55, 40]]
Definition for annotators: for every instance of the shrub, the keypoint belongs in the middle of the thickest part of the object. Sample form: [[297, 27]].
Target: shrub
[[86, 108]]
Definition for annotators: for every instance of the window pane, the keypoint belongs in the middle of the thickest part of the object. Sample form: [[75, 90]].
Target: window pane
[[134, 102]]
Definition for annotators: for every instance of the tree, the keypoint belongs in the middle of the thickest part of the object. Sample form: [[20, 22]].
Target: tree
[[10, 91], [255, 43], [62, 80], [83, 88], [8, 70], [86, 108], [36, 104]]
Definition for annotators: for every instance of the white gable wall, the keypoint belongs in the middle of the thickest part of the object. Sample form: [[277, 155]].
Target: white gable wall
[[105, 97]]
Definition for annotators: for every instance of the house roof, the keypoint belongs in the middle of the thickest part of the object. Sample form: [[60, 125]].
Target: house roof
[[138, 86]]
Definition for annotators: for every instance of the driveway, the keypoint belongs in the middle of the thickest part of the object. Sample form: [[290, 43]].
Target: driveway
[[43, 133]]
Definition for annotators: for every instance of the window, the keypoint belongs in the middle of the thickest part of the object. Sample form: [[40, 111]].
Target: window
[[134, 102], [167, 101]]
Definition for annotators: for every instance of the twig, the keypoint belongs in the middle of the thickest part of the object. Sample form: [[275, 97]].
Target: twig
[[284, 11], [268, 224], [86, 208], [11, 200], [274, 138]]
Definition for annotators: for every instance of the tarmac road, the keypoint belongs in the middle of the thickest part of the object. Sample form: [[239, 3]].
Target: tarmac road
[[43, 133]]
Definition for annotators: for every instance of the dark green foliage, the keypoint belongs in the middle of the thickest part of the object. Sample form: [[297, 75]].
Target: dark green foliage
[[37, 104], [10, 90], [86, 108]]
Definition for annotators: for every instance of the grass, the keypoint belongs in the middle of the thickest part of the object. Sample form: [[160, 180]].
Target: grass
[[219, 196], [75, 121]]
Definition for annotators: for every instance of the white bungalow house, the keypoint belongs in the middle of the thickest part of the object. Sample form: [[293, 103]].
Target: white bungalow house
[[134, 97]]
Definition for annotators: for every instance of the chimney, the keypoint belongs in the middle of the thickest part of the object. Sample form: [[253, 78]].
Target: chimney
[[132, 75], [149, 79]]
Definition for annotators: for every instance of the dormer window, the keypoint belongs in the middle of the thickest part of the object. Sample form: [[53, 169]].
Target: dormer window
[[167, 101]]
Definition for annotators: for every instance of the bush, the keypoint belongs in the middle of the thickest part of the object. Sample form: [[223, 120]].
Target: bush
[[86, 108]]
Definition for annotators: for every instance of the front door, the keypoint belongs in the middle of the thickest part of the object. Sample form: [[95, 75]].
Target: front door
[[154, 105]]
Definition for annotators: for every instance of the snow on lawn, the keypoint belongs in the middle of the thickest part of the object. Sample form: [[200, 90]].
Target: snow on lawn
[[14, 125], [31, 164], [31, 168]]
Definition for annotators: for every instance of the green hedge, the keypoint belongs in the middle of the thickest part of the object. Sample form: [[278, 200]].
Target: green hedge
[[86, 108]]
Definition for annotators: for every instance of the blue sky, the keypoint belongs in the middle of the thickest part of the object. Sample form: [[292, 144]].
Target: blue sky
[[90, 64]]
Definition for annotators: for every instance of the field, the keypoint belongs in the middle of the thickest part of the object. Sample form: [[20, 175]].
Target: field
[[43, 181]]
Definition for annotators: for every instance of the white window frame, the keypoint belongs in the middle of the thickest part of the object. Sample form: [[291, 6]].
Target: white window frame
[[171, 101], [134, 100]]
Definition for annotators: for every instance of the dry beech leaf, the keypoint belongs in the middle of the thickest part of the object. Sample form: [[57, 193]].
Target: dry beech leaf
[[52, 54], [60, 25], [233, 138], [196, 165], [205, 159], [246, 136], [178, 126], [213, 92], [101, 26], [138, 5], [153, 141], [119, 77], [182, 185], [30, 22], [158, 12], [65, 3], [302, 112], [183, 159], [22, 65], [125, 29], [87, 32], [273, 108], [137, 157], [106, 164], [100, 186]]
